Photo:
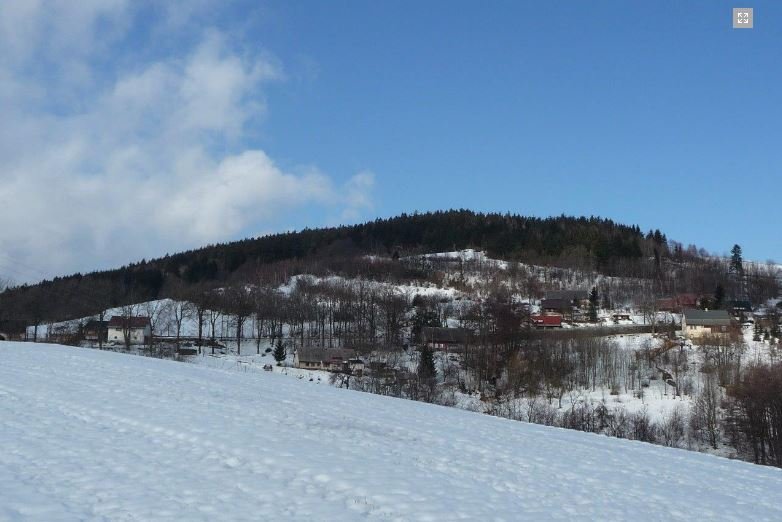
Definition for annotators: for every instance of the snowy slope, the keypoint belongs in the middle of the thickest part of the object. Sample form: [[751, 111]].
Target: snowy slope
[[99, 435]]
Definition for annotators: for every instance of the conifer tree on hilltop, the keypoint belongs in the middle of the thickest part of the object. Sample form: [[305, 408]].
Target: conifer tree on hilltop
[[736, 261], [736, 269]]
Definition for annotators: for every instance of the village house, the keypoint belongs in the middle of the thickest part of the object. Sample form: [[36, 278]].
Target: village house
[[445, 339], [331, 359], [686, 301], [381, 369], [678, 303], [546, 321], [740, 307], [139, 329], [621, 316], [558, 306], [697, 323], [95, 330], [563, 301], [667, 304]]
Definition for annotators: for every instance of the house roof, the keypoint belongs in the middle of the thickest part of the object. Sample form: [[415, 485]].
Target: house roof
[[559, 304], [741, 305], [94, 324], [687, 299], [324, 355], [707, 317], [119, 321], [568, 295], [444, 335]]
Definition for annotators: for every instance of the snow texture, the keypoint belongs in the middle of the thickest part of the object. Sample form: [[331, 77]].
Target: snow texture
[[92, 435]]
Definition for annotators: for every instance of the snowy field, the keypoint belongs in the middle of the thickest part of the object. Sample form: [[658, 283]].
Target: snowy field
[[91, 435]]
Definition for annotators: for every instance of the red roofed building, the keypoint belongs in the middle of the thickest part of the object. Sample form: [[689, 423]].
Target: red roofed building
[[547, 321], [667, 304], [678, 303], [686, 301]]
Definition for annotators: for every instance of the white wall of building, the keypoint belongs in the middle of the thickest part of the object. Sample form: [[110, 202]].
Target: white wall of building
[[137, 335]]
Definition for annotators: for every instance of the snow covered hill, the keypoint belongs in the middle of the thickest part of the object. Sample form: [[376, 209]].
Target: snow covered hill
[[99, 435]]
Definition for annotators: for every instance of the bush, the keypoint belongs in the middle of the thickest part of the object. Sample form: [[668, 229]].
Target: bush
[[641, 427], [673, 428]]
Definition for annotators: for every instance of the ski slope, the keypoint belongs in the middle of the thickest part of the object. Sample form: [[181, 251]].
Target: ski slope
[[91, 435]]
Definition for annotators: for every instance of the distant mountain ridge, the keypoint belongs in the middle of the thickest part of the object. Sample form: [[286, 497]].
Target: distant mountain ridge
[[598, 243]]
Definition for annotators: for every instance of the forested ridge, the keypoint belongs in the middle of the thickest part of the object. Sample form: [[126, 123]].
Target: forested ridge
[[505, 236], [588, 243]]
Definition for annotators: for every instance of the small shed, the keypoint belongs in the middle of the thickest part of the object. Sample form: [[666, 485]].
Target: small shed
[[546, 321]]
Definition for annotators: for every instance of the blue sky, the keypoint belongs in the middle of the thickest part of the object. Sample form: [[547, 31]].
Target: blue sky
[[652, 113], [177, 124]]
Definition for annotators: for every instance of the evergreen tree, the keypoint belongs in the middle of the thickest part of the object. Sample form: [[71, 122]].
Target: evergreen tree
[[425, 314], [736, 261], [426, 369], [279, 352], [594, 300], [660, 238]]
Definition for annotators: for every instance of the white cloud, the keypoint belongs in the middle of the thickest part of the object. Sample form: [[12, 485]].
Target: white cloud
[[358, 190], [132, 161]]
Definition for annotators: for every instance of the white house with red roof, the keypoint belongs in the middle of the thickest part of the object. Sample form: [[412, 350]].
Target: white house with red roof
[[137, 329]]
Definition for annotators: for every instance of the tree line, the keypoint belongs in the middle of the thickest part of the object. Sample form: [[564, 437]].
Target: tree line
[[604, 244]]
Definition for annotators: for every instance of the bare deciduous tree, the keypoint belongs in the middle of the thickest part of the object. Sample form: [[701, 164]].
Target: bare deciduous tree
[[705, 420], [240, 304], [127, 314]]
